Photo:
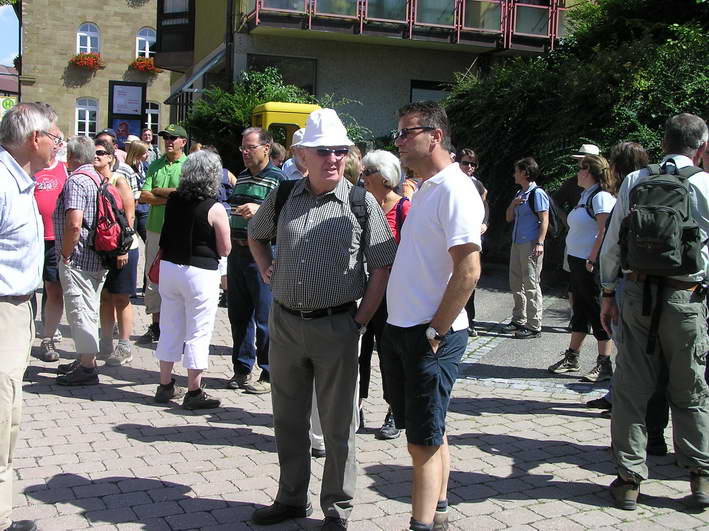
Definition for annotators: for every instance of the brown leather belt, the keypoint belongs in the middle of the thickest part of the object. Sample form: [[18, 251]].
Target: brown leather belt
[[673, 283], [239, 242], [16, 299], [314, 314]]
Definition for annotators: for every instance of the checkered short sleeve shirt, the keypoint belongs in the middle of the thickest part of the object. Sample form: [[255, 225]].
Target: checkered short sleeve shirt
[[322, 248]]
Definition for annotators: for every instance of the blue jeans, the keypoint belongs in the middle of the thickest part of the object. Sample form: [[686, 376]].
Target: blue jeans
[[248, 300]]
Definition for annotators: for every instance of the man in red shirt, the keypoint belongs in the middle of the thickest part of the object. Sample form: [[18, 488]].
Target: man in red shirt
[[49, 183]]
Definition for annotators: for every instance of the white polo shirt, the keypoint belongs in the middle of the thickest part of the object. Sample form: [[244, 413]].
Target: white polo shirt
[[445, 212]]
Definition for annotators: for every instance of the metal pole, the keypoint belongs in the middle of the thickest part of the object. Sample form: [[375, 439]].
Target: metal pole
[[229, 43]]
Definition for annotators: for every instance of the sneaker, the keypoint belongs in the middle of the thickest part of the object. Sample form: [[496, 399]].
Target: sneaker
[[603, 371], [259, 387], [222, 300], [440, 521], [318, 453], [700, 489], [472, 332], [526, 333], [57, 337], [79, 376], [599, 403], [47, 352], [22, 525], [239, 381], [200, 401], [151, 336], [121, 355], [66, 368], [332, 523], [165, 393], [569, 363], [625, 494], [512, 327], [278, 512], [388, 429]]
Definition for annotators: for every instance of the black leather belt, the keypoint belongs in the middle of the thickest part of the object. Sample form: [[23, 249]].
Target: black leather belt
[[314, 314], [673, 283], [16, 299]]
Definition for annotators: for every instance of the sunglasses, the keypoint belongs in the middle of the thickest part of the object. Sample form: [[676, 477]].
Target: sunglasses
[[170, 137], [102, 153], [468, 163], [369, 171], [403, 134], [338, 152]]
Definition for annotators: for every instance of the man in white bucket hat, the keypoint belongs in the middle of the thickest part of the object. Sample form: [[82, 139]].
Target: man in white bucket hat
[[326, 231]]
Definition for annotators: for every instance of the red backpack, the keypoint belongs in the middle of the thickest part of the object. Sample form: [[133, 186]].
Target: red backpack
[[111, 235]]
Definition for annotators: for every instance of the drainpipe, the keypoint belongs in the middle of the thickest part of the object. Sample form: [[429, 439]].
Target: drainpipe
[[229, 43]]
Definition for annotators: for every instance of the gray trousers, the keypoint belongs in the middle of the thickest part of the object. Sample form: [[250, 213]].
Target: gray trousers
[[681, 346], [322, 353]]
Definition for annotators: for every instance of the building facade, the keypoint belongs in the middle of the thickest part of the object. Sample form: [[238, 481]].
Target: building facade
[[120, 31]]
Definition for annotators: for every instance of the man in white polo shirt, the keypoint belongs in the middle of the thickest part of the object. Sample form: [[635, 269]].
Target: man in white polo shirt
[[426, 332]]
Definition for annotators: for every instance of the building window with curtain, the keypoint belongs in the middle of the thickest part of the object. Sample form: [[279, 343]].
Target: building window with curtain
[[88, 38], [145, 43], [85, 118], [152, 119]]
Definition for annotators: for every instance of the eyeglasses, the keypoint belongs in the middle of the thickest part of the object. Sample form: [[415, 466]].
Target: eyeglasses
[[369, 171], [244, 149], [56, 139], [338, 152], [468, 163], [170, 137], [402, 134], [102, 153]]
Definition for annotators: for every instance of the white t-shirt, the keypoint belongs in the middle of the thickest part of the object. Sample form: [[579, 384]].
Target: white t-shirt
[[582, 227], [446, 211]]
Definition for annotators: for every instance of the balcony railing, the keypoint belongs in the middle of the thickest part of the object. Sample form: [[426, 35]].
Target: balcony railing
[[503, 22]]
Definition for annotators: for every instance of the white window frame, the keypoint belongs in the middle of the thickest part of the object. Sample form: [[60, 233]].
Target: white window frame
[[88, 30], [82, 119], [152, 109], [143, 42]]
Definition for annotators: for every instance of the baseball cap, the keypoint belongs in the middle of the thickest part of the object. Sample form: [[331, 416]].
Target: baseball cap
[[174, 130]]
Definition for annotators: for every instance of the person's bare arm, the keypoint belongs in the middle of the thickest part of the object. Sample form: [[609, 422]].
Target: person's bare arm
[[601, 223], [151, 199], [163, 192], [510, 212], [72, 231], [217, 218], [538, 250], [261, 251], [376, 287], [466, 272]]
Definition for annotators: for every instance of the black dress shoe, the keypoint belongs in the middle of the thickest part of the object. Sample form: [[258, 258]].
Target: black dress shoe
[[22, 525], [278, 512], [332, 523], [317, 453], [599, 403], [656, 446]]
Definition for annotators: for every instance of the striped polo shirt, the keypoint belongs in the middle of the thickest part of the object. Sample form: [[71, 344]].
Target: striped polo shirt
[[252, 189]]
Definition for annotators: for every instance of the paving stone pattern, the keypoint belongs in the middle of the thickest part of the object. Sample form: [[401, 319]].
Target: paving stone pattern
[[525, 454]]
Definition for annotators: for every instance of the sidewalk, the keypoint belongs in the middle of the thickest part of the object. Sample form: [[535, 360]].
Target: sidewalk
[[526, 453]]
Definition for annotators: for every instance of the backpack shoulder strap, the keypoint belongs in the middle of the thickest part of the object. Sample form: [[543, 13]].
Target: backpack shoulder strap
[[400, 214], [282, 194], [688, 171], [654, 169], [530, 201], [358, 205], [589, 202]]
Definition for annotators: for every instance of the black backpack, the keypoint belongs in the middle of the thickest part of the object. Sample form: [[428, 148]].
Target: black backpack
[[556, 226], [659, 237], [589, 202]]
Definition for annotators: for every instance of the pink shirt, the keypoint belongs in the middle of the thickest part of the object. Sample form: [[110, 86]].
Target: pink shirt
[[391, 218], [48, 184]]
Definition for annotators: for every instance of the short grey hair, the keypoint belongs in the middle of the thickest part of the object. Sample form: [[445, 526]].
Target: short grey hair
[[24, 119], [684, 134], [81, 149], [386, 164], [201, 175]]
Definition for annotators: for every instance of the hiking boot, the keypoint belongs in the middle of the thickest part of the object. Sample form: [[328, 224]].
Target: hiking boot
[[625, 494], [151, 336], [440, 521], [656, 445], [165, 393], [79, 376], [47, 352], [700, 489], [569, 363], [526, 333], [22, 525], [57, 337], [278, 512], [599, 403], [240, 380], [259, 387], [121, 355], [388, 429], [200, 401], [332, 523], [603, 371], [66, 368], [512, 327]]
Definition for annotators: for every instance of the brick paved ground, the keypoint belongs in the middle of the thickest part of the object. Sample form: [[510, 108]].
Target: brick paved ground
[[526, 453]]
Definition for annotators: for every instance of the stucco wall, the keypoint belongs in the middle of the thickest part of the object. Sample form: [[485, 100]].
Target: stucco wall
[[49, 41]]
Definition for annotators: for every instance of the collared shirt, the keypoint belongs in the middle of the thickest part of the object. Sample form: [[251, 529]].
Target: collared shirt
[[322, 247], [526, 228], [699, 204], [252, 189], [446, 211], [21, 230], [162, 173], [79, 193], [291, 171]]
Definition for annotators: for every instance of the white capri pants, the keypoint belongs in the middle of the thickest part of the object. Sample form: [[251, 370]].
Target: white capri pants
[[189, 304]]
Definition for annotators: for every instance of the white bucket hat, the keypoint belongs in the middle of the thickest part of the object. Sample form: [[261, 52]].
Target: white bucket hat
[[586, 149], [324, 128], [298, 136]]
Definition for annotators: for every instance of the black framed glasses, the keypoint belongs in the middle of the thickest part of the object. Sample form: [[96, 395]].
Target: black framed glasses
[[244, 149], [369, 171], [338, 152], [58, 141], [468, 163], [403, 134]]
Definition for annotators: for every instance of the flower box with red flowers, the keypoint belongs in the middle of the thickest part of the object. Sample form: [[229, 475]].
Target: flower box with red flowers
[[145, 64], [87, 61]]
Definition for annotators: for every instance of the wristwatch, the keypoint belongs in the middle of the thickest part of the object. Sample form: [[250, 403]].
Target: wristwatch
[[432, 334]]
